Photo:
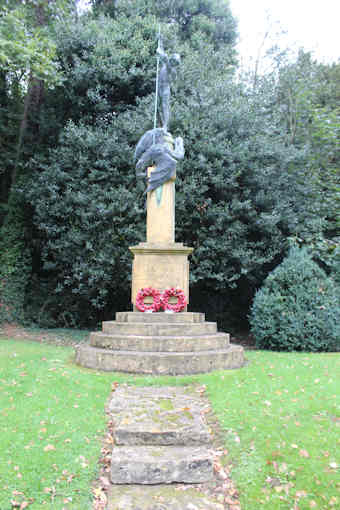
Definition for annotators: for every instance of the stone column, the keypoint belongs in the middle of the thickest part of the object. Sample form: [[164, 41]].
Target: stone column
[[160, 216]]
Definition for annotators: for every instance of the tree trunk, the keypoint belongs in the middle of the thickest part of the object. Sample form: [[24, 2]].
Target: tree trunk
[[33, 99]]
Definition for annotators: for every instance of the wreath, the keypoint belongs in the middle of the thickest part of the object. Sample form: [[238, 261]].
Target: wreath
[[142, 294], [176, 307]]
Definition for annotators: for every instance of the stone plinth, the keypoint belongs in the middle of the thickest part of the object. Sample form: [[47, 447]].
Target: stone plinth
[[160, 344], [160, 266]]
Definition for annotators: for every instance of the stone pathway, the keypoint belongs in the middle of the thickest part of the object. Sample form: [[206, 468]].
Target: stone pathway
[[164, 456]]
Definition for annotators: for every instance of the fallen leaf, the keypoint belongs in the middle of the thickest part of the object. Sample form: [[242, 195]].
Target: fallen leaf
[[283, 468], [304, 453], [273, 482], [105, 481], [230, 501], [49, 447]]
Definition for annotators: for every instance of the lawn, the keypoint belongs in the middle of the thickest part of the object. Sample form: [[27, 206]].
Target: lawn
[[279, 415]]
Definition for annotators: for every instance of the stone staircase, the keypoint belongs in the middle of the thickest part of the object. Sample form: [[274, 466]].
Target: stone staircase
[[160, 344], [160, 438]]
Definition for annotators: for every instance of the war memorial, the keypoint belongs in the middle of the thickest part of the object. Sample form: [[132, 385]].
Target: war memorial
[[160, 336]]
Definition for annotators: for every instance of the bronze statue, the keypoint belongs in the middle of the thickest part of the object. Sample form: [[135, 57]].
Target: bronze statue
[[166, 76], [160, 154], [157, 146]]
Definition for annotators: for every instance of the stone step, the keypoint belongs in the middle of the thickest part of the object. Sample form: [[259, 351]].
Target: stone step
[[159, 329], [164, 423], [160, 317], [161, 497], [176, 343], [161, 464], [127, 397], [159, 363]]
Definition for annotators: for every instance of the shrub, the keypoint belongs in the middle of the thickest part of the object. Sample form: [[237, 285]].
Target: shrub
[[297, 308]]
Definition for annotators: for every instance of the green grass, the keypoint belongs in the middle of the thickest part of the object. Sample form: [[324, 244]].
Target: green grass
[[279, 415]]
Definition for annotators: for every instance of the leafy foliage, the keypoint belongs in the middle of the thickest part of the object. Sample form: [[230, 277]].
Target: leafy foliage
[[297, 307], [15, 262], [88, 219], [24, 47], [208, 20]]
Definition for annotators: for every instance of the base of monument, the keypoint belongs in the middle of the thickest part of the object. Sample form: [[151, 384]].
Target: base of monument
[[160, 344], [160, 266]]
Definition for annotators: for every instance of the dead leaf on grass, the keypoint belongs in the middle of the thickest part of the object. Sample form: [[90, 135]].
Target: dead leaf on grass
[[272, 481], [304, 453], [301, 494], [49, 447]]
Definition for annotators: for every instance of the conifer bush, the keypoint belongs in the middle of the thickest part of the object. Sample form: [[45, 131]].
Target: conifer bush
[[297, 309]]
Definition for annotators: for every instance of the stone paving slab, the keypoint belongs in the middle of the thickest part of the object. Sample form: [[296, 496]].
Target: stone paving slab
[[161, 464], [126, 397], [158, 416], [160, 497], [165, 425]]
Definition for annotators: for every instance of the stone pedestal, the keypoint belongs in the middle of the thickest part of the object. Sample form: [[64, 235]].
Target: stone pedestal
[[160, 266]]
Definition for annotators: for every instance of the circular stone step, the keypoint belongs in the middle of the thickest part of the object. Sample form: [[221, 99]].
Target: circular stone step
[[160, 343], [160, 363], [160, 317], [159, 329]]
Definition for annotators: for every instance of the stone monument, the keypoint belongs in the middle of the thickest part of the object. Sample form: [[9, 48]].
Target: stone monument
[[160, 342]]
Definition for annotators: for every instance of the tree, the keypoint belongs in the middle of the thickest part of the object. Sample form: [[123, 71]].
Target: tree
[[297, 307], [27, 56], [211, 20]]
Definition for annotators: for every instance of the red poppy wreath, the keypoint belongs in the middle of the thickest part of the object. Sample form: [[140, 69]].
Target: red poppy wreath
[[152, 307], [173, 307]]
